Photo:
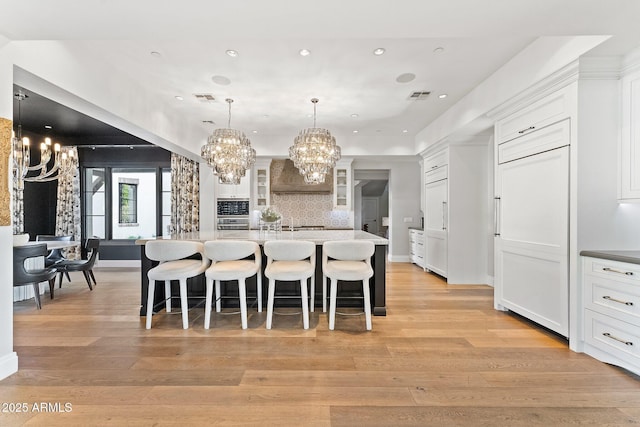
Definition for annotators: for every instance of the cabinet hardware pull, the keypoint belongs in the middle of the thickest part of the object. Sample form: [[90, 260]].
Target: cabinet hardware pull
[[608, 335], [496, 215], [607, 297], [613, 270], [434, 167], [444, 213], [527, 129]]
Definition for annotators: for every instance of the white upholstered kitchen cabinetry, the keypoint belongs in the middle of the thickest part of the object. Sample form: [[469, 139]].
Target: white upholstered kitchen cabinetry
[[456, 211], [342, 184], [612, 312], [416, 248], [261, 184], [231, 191], [629, 153]]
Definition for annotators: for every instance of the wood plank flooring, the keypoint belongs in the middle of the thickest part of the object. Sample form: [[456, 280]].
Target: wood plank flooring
[[441, 357]]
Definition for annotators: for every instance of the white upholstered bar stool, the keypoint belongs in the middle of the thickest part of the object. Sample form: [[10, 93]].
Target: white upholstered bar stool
[[174, 265], [290, 260], [228, 263], [347, 260]]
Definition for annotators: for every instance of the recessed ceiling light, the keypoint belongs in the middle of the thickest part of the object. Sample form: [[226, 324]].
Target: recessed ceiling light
[[404, 131], [221, 80], [438, 50], [304, 52], [266, 116], [379, 51], [179, 98], [442, 96], [155, 54], [355, 131], [232, 53], [254, 131], [48, 127], [405, 78], [354, 116]]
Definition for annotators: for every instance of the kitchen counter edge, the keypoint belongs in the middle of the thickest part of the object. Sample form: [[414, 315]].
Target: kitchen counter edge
[[632, 257]]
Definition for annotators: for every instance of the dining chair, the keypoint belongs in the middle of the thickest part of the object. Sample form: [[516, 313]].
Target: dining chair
[[175, 264], [229, 262], [85, 266], [348, 260], [290, 260], [23, 276], [55, 255]]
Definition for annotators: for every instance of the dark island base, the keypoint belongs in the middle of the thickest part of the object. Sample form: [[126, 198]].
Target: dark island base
[[349, 293]]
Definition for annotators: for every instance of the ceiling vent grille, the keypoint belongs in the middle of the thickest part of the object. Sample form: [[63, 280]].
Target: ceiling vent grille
[[204, 97], [419, 96], [209, 122]]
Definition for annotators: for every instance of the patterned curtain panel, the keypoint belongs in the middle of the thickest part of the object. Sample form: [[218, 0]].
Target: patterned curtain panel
[[68, 206], [18, 206], [185, 195]]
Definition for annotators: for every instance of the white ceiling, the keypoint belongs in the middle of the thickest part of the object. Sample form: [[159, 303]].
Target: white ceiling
[[272, 84]]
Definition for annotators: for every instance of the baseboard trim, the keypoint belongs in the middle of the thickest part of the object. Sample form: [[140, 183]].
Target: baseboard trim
[[399, 258], [118, 263], [8, 365]]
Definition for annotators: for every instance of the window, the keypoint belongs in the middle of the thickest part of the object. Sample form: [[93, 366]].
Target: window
[[128, 201]]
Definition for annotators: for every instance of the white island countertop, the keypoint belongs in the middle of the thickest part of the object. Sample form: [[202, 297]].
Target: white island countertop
[[316, 236]]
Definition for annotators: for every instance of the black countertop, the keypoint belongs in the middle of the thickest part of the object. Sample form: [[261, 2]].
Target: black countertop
[[632, 257]]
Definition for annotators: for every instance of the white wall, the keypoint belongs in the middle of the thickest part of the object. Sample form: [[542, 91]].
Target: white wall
[[8, 358], [404, 200], [603, 223]]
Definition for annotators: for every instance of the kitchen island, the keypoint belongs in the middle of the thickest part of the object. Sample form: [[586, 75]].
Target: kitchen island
[[197, 285]]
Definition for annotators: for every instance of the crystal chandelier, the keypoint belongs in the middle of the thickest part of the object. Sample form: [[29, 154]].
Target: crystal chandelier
[[46, 170], [314, 152], [228, 152]]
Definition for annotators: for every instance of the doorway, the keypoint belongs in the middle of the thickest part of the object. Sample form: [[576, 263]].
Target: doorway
[[371, 201]]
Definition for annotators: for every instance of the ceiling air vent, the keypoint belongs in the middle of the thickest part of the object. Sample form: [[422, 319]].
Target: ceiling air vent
[[419, 96], [209, 122], [204, 97]]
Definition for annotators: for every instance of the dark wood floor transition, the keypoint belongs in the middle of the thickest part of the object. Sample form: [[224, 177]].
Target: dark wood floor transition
[[441, 357]]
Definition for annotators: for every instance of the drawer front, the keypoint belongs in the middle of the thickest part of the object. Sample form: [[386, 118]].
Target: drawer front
[[541, 113], [618, 271], [613, 336], [546, 139], [436, 161], [436, 175], [621, 300]]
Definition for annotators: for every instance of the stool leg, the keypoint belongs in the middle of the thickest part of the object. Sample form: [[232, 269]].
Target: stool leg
[[324, 293], [312, 304], [305, 303], [367, 303], [183, 304], [271, 294], [150, 293], [207, 304], [242, 293], [259, 290], [218, 304], [167, 295], [332, 303]]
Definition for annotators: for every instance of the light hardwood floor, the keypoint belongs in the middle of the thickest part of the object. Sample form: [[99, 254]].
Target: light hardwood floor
[[441, 357]]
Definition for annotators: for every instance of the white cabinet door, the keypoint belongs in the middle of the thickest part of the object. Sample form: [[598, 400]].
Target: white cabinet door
[[231, 191], [629, 153], [532, 241], [435, 226]]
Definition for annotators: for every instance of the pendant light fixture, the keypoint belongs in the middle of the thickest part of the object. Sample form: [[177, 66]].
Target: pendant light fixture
[[314, 152], [63, 157], [228, 152]]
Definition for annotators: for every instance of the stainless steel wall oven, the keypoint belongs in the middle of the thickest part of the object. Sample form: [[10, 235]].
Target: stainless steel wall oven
[[233, 214]]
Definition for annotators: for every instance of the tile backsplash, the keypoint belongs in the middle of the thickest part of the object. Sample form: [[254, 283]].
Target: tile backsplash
[[310, 210]]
